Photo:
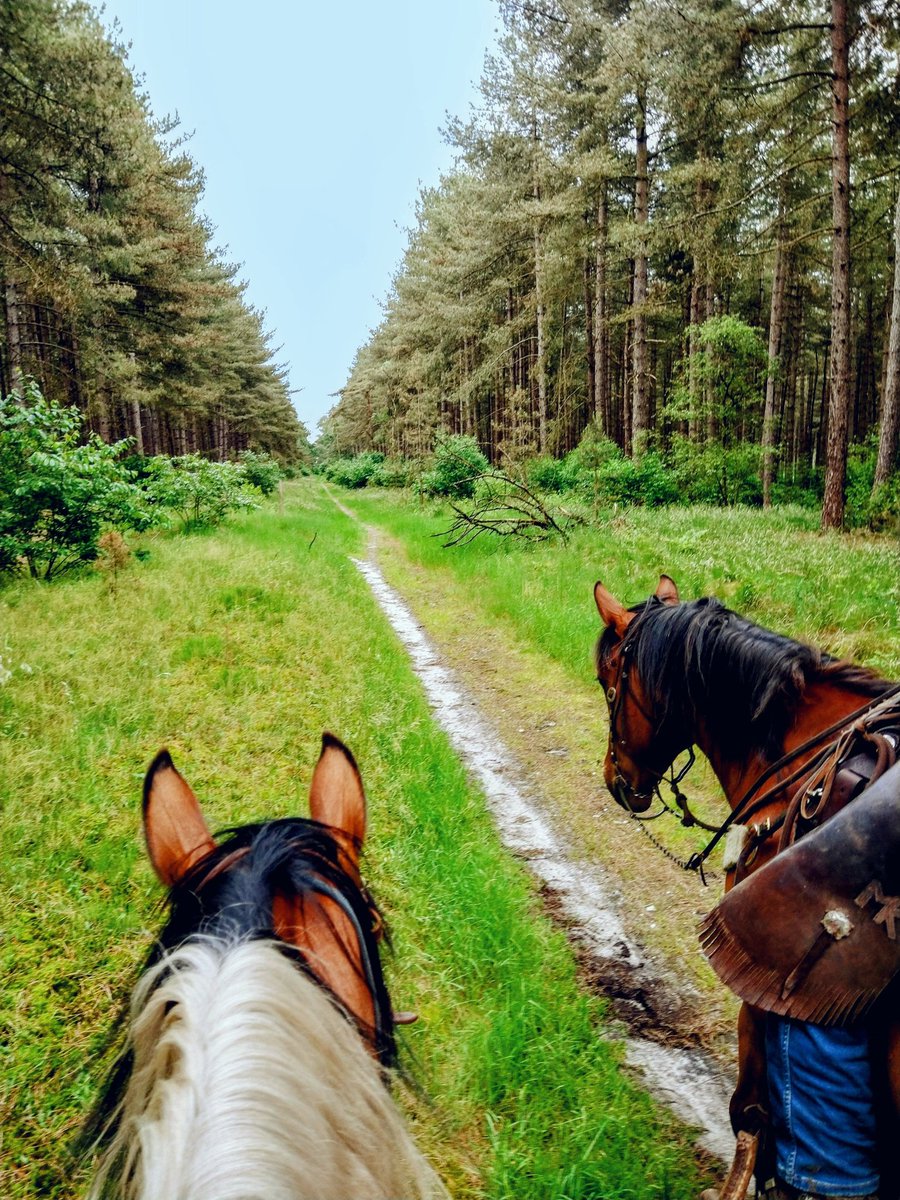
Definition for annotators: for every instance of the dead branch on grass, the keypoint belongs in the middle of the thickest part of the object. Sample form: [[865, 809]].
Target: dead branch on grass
[[507, 507]]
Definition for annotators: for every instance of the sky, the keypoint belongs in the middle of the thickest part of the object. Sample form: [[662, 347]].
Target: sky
[[315, 124]]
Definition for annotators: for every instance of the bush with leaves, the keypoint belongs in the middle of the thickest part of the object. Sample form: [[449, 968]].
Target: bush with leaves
[[723, 380], [355, 472], [555, 474], [879, 510], [57, 492], [458, 463], [200, 492], [260, 471], [716, 474], [801, 485], [394, 473], [621, 480]]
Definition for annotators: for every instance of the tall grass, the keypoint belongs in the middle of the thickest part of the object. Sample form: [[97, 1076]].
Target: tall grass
[[838, 591], [236, 650]]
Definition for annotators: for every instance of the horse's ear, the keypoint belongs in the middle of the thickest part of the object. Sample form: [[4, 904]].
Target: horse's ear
[[612, 612], [667, 590], [336, 795], [176, 833]]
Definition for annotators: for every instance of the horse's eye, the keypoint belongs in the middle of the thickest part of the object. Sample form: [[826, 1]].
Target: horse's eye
[[611, 695]]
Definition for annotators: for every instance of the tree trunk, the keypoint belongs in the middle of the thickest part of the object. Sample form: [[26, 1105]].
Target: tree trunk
[[540, 368], [136, 422], [890, 404], [601, 318], [14, 338], [640, 426], [775, 324], [839, 405], [698, 294], [592, 406], [709, 398], [539, 365]]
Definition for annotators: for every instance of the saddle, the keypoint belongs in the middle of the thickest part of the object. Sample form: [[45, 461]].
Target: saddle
[[815, 933]]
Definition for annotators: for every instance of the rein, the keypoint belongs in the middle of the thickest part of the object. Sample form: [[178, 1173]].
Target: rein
[[333, 893], [744, 808], [319, 885]]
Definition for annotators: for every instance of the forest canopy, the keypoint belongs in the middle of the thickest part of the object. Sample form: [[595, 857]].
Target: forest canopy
[[115, 298], [649, 200]]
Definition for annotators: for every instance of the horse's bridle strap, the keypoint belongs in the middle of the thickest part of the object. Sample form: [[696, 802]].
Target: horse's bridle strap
[[743, 809], [334, 894]]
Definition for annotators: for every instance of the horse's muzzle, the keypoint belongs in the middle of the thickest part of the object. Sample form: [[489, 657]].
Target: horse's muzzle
[[628, 799]]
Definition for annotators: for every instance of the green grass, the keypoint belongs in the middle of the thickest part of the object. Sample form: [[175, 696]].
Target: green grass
[[841, 592], [236, 650], [838, 591]]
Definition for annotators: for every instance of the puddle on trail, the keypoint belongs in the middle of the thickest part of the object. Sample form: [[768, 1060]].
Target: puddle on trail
[[683, 1077]]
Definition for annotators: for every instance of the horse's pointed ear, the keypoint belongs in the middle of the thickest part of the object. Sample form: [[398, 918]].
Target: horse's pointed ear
[[611, 611], [667, 590], [336, 795], [176, 833]]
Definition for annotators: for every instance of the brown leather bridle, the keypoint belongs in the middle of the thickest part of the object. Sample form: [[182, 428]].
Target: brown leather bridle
[[622, 790], [751, 801]]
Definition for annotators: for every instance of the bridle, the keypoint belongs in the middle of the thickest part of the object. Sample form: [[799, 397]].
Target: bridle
[[749, 803], [624, 792], [383, 1022]]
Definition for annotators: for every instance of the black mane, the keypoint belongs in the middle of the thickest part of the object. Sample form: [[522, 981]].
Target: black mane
[[699, 660], [228, 895]]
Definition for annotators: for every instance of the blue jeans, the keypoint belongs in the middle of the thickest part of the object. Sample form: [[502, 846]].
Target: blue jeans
[[822, 1108]]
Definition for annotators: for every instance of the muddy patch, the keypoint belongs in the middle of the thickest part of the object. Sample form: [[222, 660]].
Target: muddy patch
[[650, 1015]]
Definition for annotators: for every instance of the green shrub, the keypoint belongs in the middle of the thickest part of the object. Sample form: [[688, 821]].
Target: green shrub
[[592, 453], [393, 473], [201, 493], [354, 472], [260, 471], [457, 464], [879, 510], [716, 474], [621, 480], [56, 492], [554, 474], [723, 379], [884, 506], [803, 486]]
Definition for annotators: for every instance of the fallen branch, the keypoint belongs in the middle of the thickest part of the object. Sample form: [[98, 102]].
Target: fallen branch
[[506, 507]]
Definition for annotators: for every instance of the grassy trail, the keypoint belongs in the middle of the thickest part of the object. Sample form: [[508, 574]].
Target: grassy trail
[[518, 623], [838, 591], [236, 650]]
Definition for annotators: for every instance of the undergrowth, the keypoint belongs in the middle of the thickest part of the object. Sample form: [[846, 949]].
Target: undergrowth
[[838, 591]]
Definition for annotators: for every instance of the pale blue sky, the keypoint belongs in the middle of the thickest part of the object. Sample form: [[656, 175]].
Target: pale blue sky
[[315, 124]]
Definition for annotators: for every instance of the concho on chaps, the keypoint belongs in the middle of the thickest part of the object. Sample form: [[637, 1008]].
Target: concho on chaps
[[815, 933]]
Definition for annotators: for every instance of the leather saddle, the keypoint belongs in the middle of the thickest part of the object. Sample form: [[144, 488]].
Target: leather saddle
[[815, 933]]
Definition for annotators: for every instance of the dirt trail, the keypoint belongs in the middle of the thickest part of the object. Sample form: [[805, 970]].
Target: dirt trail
[[538, 768]]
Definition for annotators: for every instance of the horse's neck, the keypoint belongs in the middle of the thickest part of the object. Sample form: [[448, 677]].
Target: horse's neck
[[824, 704]]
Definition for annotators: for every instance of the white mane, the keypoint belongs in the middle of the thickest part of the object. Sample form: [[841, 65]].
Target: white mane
[[248, 1084]]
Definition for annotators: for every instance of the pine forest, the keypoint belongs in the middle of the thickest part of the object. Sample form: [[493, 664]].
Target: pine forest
[[672, 229], [115, 298]]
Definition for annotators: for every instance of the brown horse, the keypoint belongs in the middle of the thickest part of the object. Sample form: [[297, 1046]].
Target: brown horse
[[763, 709], [261, 1027]]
